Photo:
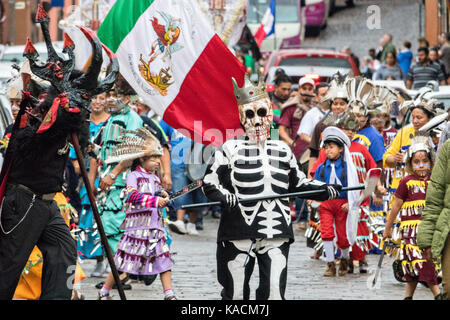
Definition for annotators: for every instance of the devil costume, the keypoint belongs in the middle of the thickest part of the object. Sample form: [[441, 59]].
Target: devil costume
[[34, 163], [245, 167]]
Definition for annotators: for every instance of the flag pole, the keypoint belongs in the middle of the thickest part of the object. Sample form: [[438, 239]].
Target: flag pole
[[104, 240]]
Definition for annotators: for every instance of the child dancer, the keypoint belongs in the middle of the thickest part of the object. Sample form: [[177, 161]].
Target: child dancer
[[338, 168], [143, 248], [363, 162], [410, 201]]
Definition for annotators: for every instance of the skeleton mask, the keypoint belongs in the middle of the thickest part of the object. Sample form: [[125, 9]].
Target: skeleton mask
[[255, 109], [256, 118]]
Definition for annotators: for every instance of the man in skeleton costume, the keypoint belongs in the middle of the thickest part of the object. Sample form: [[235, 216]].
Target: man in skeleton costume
[[245, 167], [35, 160]]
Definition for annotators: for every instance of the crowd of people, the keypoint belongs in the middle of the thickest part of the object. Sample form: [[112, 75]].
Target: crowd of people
[[388, 62], [324, 122]]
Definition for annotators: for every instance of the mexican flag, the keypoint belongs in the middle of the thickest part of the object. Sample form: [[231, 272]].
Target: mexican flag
[[170, 55]]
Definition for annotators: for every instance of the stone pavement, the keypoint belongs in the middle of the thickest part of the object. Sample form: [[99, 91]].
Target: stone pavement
[[194, 275]]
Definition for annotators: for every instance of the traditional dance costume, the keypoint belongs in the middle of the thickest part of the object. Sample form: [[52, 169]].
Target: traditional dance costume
[[412, 190], [374, 142], [88, 243], [143, 248], [363, 162], [110, 203]]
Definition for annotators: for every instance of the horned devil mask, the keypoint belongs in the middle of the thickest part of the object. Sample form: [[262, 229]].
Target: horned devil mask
[[255, 109]]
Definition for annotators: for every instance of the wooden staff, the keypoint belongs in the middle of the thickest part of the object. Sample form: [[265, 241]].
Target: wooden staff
[[101, 231]]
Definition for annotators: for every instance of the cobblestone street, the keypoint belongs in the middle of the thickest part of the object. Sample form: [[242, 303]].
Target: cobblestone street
[[194, 275]]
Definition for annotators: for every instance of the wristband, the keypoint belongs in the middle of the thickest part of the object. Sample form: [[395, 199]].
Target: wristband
[[112, 175]]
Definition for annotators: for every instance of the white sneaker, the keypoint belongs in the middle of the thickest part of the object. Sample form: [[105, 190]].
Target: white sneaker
[[191, 229], [177, 226]]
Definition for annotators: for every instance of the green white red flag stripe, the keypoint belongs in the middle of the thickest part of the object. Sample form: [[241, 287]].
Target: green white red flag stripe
[[170, 55]]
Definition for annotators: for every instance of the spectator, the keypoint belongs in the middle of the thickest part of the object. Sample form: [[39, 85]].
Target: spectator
[[441, 40], [281, 91], [180, 146], [444, 54], [405, 57], [249, 62], [390, 69], [367, 67], [434, 56], [292, 113], [313, 116], [386, 46], [423, 71], [305, 131], [375, 61], [278, 72], [422, 42], [348, 51]]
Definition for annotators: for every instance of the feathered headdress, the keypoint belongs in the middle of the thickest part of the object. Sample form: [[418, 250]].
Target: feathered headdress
[[420, 142], [336, 88], [346, 120], [383, 99], [421, 102], [139, 143], [361, 94]]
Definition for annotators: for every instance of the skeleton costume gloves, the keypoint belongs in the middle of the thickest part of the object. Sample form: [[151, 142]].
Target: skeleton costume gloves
[[333, 190], [230, 200]]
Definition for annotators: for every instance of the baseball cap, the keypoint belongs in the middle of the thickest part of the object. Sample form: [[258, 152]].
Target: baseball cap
[[305, 80]]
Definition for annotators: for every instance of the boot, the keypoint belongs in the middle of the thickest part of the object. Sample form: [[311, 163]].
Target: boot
[[439, 297], [331, 270], [343, 266]]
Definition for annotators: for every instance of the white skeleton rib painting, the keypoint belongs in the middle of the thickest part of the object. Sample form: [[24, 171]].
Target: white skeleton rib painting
[[252, 166]]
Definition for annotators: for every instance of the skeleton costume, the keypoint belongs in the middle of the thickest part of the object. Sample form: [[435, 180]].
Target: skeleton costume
[[35, 161], [245, 167]]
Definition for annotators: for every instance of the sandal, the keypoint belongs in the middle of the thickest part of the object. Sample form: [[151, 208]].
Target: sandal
[[76, 295], [125, 286]]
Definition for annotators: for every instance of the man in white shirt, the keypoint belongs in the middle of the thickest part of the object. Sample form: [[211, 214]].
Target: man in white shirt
[[313, 116]]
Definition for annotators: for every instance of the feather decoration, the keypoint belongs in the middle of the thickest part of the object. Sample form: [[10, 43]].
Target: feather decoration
[[138, 143], [360, 94], [336, 88], [383, 100]]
